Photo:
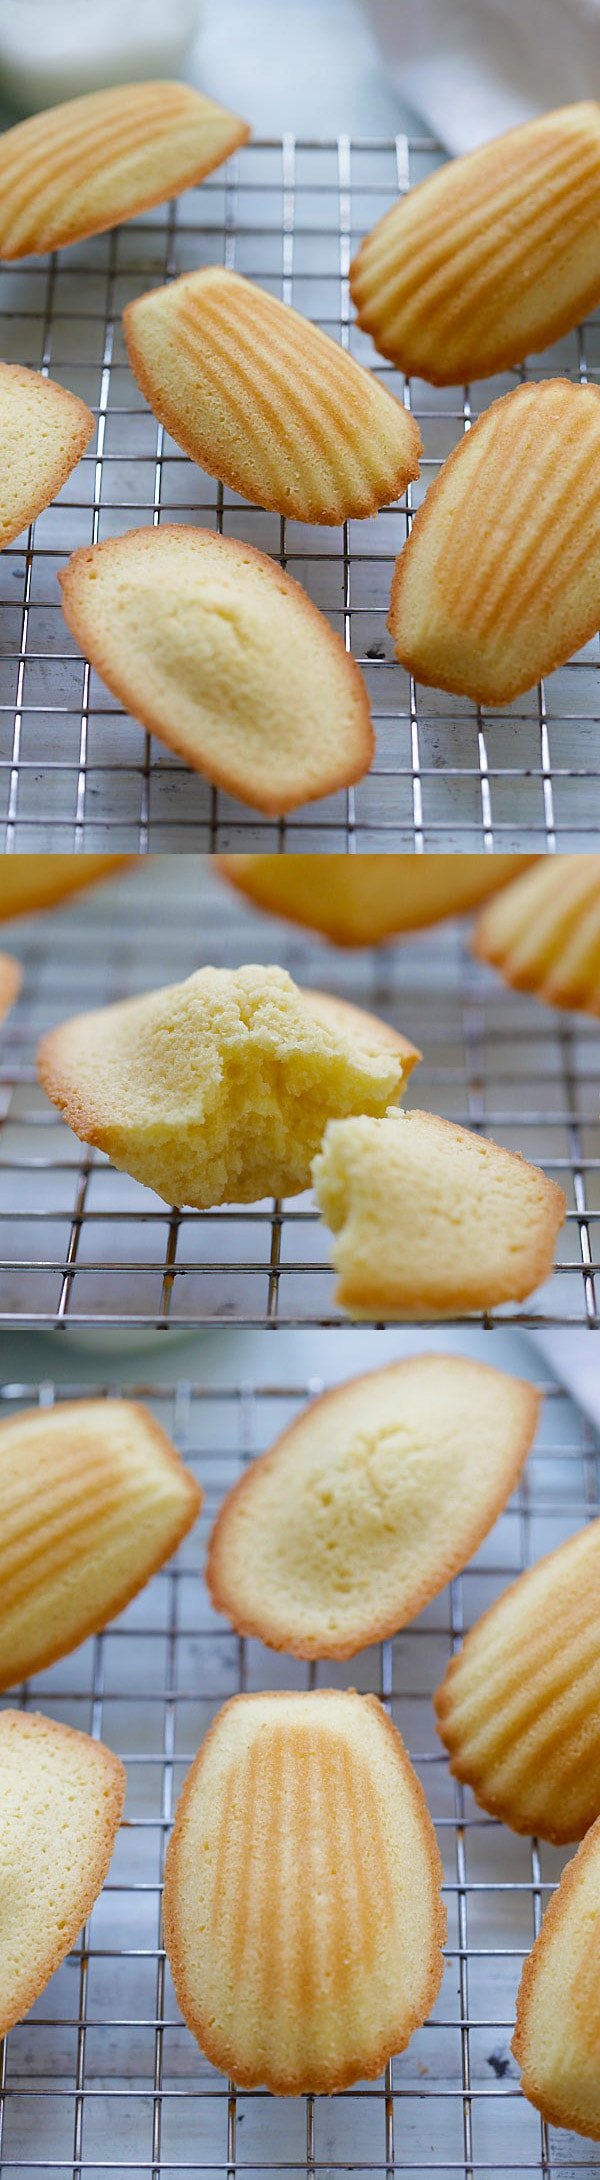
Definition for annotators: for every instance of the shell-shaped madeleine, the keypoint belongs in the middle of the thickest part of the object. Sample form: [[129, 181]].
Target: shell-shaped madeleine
[[528, 1741], [557, 2037], [93, 1498], [218, 1090], [499, 582], [43, 433], [303, 1917], [61, 1799], [369, 1503], [362, 900], [267, 402], [429, 1219], [93, 161], [11, 978], [544, 934], [491, 257], [225, 658]]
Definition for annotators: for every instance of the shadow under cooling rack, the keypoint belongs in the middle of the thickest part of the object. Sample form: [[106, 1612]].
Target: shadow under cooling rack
[[81, 1243], [75, 772], [103, 2077]]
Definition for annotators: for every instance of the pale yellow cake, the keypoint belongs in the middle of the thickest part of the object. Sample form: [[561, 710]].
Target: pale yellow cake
[[11, 978], [544, 935], [302, 1907], [29, 882], [61, 1800], [93, 1499], [218, 1090], [224, 657], [429, 1220], [557, 2037], [94, 161], [265, 401], [43, 433], [369, 1504], [363, 900], [492, 257], [499, 582]]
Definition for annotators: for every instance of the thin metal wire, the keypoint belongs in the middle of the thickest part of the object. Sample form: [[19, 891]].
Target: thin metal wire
[[82, 1244], [103, 2077], [74, 771]]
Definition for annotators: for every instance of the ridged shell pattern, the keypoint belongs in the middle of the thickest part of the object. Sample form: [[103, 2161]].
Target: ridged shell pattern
[[519, 1708], [491, 257], [267, 402], [76, 168], [500, 580], [557, 2036], [543, 934]]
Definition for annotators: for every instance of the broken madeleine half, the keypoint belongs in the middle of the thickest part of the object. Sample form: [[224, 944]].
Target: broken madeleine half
[[264, 400], [93, 1499], [557, 2034], [544, 935], [94, 161], [224, 657], [499, 583], [369, 1504], [61, 1801], [43, 433], [429, 1220], [494, 256], [218, 1090], [363, 900], [302, 1906], [528, 1743]]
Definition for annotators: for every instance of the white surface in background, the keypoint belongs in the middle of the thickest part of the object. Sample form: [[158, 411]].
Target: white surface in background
[[476, 67], [56, 49], [309, 66]]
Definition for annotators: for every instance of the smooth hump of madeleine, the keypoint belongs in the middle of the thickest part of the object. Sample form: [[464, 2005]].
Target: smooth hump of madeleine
[[372, 1501], [499, 582], [429, 1220], [544, 935], [225, 658], [61, 1800], [302, 1908], [265, 401], [30, 882], [218, 1090], [557, 2036], [97, 160], [492, 257], [529, 1743], [93, 1499], [372, 897], [43, 433]]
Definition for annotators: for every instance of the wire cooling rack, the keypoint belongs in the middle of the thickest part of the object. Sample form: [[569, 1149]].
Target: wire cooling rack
[[79, 1242], [74, 771], [103, 2077]]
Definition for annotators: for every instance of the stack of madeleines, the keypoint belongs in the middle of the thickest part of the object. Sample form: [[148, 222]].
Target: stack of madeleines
[[302, 1834], [208, 642]]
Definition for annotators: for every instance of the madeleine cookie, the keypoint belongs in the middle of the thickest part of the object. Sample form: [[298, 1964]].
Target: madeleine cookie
[[224, 658], [61, 1800], [364, 899], [557, 2035], [544, 936], [302, 1907], [369, 1504], [11, 978], [492, 257], [429, 1219], [262, 399], [30, 882], [500, 580], [218, 1090], [93, 1499], [94, 161], [43, 433], [529, 1743]]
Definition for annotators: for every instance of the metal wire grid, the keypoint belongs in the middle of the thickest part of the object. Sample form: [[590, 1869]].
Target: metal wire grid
[[80, 1243], [74, 771], [103, 2077]]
